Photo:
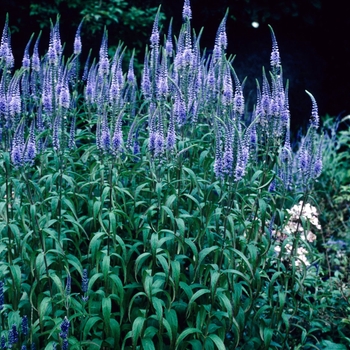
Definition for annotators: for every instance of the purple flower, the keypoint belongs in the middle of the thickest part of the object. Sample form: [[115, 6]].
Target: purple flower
[[105, 137], [146, 82], [103, 68], [68, 284], [64, 96], [131, 74], [3, 342], [171, 137], [64, 328], [317, 168], [35, 56], [25, 325], [77, 40], [56, 133], [65, 344], [17, 147], [136, 148], [186, 11], [26, 59], [85, 281], [242, 160], [117, 140], [86, 68], [218, 166], [227, 158], [5, 46], [13, 335], [162, 83], [155, 32], [71, 142], [158, 144], [272, 186], [227, 95], [31, 146], [275, 59], [315, 119], [169, 41], [47, 93]]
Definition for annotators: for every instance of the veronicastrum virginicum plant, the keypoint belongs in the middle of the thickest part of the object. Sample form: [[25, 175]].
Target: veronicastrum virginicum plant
[[144, 217]]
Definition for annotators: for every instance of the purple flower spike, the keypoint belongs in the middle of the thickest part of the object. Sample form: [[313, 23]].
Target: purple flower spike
[[117, 140], [77, 40], [85, 281], [56, 134], [25, 325], [4, 40], [64, 328], [155, 32], [68, 284], [31, 146], [171, 136], [26, 59], [13, 335], [3, 342], [105, 135], [275, 59], [17, 147], [131, 74], [5, 46], [169, 41], [186, 11], [315, 119], [35, 57], [103, 68], [146, 82]]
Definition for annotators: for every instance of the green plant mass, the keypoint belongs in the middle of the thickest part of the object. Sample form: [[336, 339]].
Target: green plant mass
[[164, 212]]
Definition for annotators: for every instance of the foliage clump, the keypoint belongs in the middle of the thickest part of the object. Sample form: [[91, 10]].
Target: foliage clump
[[163, 216]]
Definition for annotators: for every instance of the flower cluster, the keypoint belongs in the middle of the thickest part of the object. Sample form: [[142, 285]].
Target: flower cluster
[[64, 333]]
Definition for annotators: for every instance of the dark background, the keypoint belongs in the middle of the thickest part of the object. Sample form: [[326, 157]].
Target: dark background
[[313, 37]]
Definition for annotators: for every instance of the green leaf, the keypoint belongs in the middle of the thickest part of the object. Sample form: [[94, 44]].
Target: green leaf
[[157, 304], [205, 252], [217, 341], [106, 312], [57, 282], [140, 262], [195, 296], [89, 324], [137, 327], [106, 263], [184, 334], [147, 344]]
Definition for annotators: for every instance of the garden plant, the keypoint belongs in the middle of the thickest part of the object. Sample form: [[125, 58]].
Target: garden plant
[[163, 212]]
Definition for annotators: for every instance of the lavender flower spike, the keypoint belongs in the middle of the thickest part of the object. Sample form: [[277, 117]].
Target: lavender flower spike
[[25, 325], [275, 59], [169, 41], [13, 335], [85, 281], [64, 328], [26, 58], [186, 11], [31, 146], [77, 41], [315, 119]]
